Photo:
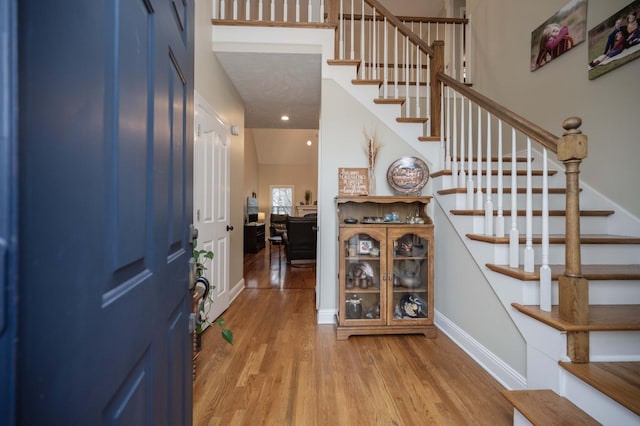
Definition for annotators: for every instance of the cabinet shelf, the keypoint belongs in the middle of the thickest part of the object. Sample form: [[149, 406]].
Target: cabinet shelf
[[405, 256]]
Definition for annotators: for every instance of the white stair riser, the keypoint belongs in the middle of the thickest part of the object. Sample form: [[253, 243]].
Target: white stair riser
[[601, 292], [588, 225], [600, 407], [556, 202], [614, 346], [617, 254]]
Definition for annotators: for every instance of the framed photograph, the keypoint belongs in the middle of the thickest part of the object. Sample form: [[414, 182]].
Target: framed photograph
[[557, 35], [364, 246], [615, 41]]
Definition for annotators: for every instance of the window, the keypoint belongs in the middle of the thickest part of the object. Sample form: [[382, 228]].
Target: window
[[282, 200]]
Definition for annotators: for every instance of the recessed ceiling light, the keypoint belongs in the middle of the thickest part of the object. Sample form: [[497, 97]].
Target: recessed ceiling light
[[284, 118], [308, 143]]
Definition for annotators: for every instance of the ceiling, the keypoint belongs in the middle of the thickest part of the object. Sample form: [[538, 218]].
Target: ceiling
[[272, 84]]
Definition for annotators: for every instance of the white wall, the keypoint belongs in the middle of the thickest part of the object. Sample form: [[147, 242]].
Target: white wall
[[213, 84], [342, 144], [560, 89]]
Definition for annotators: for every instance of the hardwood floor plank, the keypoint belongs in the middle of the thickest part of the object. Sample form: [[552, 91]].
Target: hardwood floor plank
[[284, 369]]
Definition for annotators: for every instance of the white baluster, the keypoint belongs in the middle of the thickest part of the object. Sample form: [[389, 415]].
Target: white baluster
[[285, 11], [448, 135], [470, 162], [310, 12], [235, 10], [362, 46], [461, 176], [321, 18], [468, 54], [273, 10], [479, 197], [443, 136], [406, 79], [545, 270], [223, 10], [214, 4], [260, 6], [514, 235], [488, 205], [454, 142], [297, 10], [351, 42], [341, 32], [418, 66], [500, 217], [247, 10], [395, 63], [385, 61], [528, 249], [453, 52], [375, 46]]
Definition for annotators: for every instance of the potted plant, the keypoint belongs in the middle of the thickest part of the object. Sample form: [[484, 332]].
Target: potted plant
[[307, 196], [200, 257]]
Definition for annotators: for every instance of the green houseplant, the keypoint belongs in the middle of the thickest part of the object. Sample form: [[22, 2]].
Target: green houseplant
[[200, 257]]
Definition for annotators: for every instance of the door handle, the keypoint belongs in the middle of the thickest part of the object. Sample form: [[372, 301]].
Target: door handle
[[229, 228]]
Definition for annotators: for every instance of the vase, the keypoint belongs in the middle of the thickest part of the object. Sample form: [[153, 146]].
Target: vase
[[372, 182]]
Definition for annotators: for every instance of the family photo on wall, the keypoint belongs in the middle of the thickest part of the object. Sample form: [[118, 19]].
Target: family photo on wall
[[615, 41], [559, 34]]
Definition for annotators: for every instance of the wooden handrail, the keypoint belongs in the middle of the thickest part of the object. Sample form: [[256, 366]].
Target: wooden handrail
[[419, 19], [544, 137], [393, 20]]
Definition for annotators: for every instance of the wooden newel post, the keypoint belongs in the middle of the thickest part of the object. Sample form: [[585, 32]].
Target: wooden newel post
[[436, 66], [573, 287]]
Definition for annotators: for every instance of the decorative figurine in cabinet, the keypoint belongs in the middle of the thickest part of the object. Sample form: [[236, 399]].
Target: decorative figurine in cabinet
[[386, 266]]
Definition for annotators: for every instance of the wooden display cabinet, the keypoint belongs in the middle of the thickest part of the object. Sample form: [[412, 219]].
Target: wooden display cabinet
[[385, 276]]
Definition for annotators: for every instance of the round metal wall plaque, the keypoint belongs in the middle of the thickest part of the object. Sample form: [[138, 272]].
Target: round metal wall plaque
[[408, 175]]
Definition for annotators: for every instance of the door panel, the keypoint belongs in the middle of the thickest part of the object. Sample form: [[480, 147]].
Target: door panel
[[106, 200], [211, 202]]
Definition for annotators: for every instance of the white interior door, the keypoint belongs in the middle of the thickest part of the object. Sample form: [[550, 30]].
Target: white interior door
[[211, 201]]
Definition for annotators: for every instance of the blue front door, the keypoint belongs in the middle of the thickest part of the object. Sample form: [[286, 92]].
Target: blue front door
[[105, 202]]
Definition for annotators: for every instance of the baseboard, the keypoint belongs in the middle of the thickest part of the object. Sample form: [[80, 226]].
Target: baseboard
[[503, 373], [236, 290], [326, 316]]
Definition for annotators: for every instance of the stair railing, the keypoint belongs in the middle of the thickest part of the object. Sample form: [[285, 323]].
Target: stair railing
[[401, 55], [265, 12], [463, 127]]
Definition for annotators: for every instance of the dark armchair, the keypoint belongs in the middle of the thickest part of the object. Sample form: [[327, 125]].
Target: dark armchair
[[277, 225], [301, 238]]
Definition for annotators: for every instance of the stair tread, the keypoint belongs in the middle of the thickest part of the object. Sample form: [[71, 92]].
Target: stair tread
[[412, 119], [545, 407], [373, 82], [343, 61], [560, 239], [618, 380], [462, 212], [590, 272], [429, 138], [389, 101], [601, 317]]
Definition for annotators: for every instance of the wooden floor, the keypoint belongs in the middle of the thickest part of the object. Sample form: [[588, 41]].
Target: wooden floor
[[284, 369]]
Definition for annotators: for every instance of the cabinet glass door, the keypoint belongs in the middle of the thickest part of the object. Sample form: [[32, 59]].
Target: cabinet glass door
[[362, 277], [408, 294]]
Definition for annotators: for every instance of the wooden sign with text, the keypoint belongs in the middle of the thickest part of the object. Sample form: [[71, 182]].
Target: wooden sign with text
[[353, 181]]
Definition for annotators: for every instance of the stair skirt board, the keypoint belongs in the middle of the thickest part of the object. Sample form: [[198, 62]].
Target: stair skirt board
[[498, 369]]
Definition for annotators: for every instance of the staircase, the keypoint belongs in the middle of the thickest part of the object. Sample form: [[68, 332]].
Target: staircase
[[606, 389]]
